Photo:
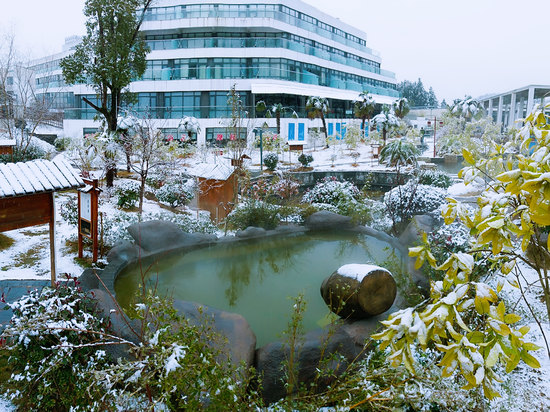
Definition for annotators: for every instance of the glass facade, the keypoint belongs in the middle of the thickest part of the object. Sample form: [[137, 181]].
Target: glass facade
[[272, 11], [54, 80], [253, 40], [58, 100], [263, 68], [214, 105]]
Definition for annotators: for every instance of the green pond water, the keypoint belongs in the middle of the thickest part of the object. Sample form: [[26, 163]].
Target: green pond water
[[258, 278]]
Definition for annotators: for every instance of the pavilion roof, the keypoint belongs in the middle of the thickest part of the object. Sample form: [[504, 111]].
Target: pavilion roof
[[37, 176]]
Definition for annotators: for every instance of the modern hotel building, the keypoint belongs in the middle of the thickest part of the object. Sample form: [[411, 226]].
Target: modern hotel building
[[278, 51]]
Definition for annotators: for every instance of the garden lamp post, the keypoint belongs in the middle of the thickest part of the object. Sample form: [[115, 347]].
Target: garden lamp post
[[260, 130]]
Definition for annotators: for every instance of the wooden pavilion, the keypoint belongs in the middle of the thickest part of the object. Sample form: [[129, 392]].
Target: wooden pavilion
[[27, 195]]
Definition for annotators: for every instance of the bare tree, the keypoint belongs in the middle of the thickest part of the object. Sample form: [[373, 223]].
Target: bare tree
[[150, 150], [22, 109]]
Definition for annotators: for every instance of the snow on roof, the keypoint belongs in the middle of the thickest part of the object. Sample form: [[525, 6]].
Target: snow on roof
[[7, 142], [37, 176], [218, 171]]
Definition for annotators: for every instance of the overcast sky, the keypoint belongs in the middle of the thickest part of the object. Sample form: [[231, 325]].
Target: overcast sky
[[464, 47]]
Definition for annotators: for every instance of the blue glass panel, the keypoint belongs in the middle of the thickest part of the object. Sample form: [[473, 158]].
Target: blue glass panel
[[330, 129], [291, 131], [301, 131]]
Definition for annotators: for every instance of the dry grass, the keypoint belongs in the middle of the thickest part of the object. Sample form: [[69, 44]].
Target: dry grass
[[5, 242]]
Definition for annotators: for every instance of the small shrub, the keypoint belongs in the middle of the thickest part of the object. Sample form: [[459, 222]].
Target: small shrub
[[271, 160], [305, 159], [69, 211], [62, 143], [127, 194], [32, 152], [437, 178], [254, 213], [174, 194]]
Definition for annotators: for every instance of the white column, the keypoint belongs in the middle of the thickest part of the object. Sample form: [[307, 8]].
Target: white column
[[499, 113], [512, 113], [530, 100], [490, 109]]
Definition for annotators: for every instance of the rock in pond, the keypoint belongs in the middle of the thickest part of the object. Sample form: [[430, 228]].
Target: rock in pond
[[331, 350], [325, 220], [240, 341], [359, 291], [158, 235]]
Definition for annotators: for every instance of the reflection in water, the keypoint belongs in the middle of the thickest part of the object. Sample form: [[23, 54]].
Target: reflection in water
[[255, 277]]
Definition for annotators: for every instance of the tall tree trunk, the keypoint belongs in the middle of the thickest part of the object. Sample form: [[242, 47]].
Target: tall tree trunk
[[326, 130]]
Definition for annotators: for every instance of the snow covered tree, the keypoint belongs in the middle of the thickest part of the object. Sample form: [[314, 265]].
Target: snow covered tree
[[363, 108], [317, 107], [110, 56], [276, 110], [416, 94], [386, 120], [401, 107], [150, 152], [190, 125], [467, 108]]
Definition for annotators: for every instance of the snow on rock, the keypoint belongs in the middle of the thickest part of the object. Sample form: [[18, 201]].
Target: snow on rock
[[357, 270]]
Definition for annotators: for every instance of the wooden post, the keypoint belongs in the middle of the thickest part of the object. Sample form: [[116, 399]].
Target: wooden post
[[52, 239], [80, 245], [88, 224], [95, 193]]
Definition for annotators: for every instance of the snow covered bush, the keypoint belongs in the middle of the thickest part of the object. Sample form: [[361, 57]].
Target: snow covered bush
[[254, 212], [271, 160], [341, 197], [127, 194], [175, 194], [178, 366], [53, 346], [333, 192], [405, 201], [435, 177], [56, 346]]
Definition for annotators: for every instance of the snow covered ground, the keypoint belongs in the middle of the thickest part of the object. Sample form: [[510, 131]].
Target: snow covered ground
[[28, 258]]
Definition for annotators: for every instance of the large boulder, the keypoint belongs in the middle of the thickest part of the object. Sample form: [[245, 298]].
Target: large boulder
[[419, 224], [238, 342], [251, 232], [158, 235], [317, 351], [125, 250], [325, 220]]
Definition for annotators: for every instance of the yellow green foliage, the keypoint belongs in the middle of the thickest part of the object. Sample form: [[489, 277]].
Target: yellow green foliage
[[466, 320]]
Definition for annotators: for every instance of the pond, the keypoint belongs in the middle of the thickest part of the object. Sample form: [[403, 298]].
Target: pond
[[258, 278]]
